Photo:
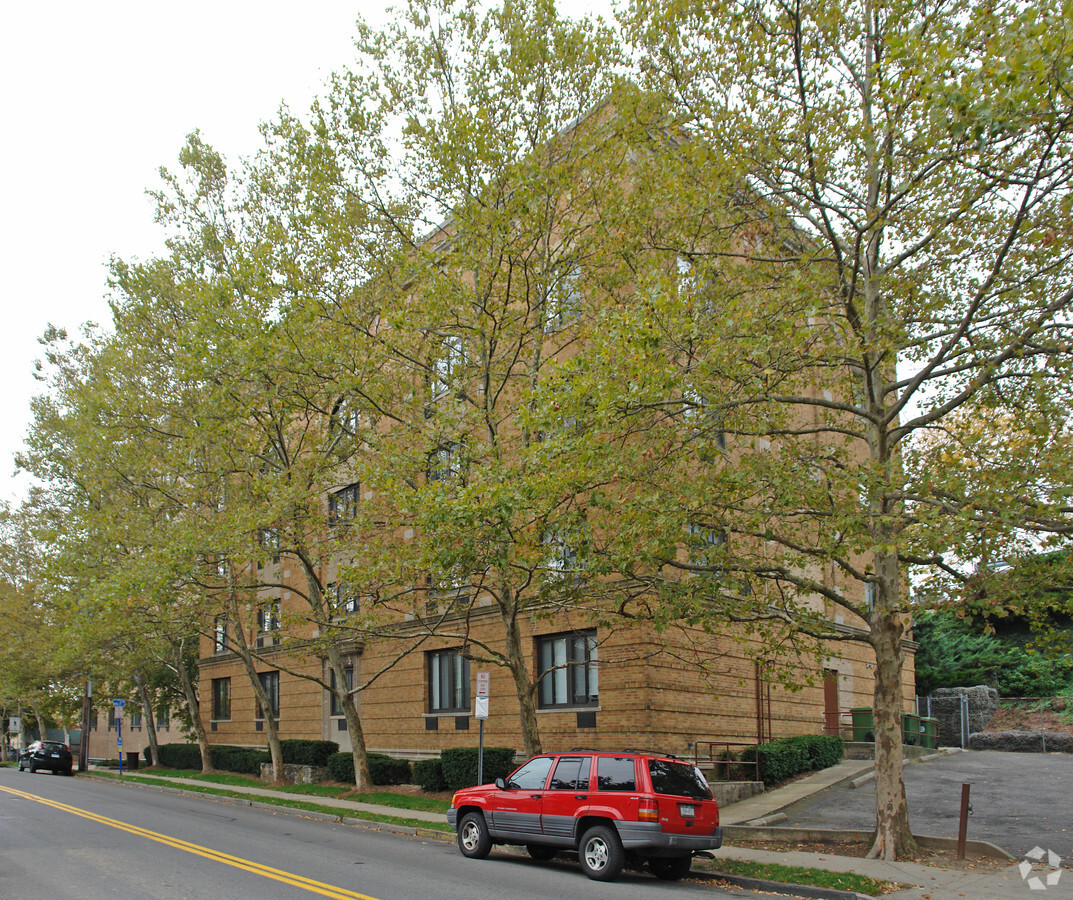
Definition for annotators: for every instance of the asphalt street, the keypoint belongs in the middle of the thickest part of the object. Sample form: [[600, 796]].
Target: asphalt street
[[1019, 800]]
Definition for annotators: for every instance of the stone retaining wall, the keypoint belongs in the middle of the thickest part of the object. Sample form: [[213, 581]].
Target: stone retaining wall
[[1023, 741]]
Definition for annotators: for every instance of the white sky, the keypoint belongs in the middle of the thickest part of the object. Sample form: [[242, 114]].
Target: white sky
[[94, 99]]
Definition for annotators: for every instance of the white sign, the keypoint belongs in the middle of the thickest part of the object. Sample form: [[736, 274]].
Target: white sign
[[480, 711], [482, 684], [14, 725]]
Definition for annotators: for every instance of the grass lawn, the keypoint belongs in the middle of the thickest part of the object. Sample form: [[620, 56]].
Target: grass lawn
[[842, 881]]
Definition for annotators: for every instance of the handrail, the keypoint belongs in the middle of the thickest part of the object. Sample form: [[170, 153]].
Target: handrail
[[726, 758]]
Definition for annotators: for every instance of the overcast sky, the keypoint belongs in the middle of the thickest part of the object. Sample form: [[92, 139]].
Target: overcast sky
[[94, 99]]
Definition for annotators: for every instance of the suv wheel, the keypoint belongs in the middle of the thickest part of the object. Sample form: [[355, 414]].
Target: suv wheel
[[601, 854], [539, 851], [473, 839], [670, 868]]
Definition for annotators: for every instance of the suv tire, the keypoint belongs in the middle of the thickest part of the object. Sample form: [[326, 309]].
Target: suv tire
[[670, 868], [541, 852], [601, 854], [473, 838]]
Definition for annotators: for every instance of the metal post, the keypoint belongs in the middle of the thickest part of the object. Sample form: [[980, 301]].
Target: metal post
[[963, 824], [119, 725], [480, 754], [964, 720]]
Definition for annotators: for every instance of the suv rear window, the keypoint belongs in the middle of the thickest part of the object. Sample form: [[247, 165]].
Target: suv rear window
[[615, 773], [679, 779]]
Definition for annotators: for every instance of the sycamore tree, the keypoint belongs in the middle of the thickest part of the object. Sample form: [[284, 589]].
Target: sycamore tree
[[472, 462], [864, 220]]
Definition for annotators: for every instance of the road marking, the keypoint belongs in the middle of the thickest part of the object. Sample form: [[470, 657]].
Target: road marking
[[237, 862]]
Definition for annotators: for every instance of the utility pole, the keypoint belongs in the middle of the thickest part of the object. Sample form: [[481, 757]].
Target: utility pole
[[83, 745]]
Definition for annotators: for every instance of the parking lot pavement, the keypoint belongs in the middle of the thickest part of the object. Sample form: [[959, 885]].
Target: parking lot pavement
[[1019, 801]]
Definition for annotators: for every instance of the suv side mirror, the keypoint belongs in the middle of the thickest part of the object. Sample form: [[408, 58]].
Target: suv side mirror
[[501, 784]]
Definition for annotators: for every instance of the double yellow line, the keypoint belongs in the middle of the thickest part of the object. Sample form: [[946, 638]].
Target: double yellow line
[[237, 862]]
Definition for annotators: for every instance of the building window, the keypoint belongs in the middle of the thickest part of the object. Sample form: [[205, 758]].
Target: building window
[[445, 463], [343, 504], [268, 538], [563, 302], [111, 719], [446, 590], [568, 670], [93, 720], [270, 684], [221, 698], [451, 356], [347, 415], [219, 634], [268, 617], [163, 720], [343, 598], [560, 554], [870, 595], [135, 721], [704, 542], [448, 681], [335, 707]]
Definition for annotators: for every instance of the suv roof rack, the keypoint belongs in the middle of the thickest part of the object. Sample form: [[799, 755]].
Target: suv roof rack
[[650, 752]]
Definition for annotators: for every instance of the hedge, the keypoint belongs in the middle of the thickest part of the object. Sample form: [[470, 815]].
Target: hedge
[[460, 765], [428, 773], [383, 770], [307, 753], [787, 757], [241, 760], [180, 756]]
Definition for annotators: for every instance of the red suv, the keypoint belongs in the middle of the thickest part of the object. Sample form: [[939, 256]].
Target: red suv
[[610, 807]]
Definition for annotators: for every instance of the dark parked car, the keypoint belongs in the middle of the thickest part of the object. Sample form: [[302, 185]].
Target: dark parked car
[[612, 808], [52, 755]]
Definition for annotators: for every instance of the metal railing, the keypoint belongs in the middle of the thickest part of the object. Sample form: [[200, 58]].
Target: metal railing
[[724, 760]]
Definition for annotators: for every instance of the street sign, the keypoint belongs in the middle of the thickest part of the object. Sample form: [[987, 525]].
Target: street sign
[[482, 685], [119, 703], [480, 711], [14, 725]]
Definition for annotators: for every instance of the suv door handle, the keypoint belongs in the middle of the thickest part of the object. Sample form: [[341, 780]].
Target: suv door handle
[[581, 796], [534, 796]]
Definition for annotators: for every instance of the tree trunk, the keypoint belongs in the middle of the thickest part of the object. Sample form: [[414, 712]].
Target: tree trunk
[[893, 838], [150, 719], [190, 693], [523, 685], [242, 649]]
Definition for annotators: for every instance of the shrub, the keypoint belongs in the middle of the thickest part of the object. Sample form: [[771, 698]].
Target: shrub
[[147, 752], [307, 753], [428, 773], [180, 756], [787, 757], [383, 770], [460, 765], [341, 767], [240, 760]]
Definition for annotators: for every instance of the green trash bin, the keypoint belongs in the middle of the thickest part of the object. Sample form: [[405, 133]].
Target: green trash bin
[[911, 729], [929, 732], [864, 729]]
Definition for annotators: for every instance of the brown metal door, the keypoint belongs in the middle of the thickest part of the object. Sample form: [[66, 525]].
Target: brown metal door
[[830, 702]]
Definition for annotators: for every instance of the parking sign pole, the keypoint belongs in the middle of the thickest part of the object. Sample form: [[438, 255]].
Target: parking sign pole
[[481, 712]]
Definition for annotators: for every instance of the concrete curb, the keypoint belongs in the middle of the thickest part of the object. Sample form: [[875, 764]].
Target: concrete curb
[[777, 887], [846, 836]]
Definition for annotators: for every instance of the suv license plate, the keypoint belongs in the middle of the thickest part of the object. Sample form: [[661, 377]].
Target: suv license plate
[[686, 811], [55, 756]]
